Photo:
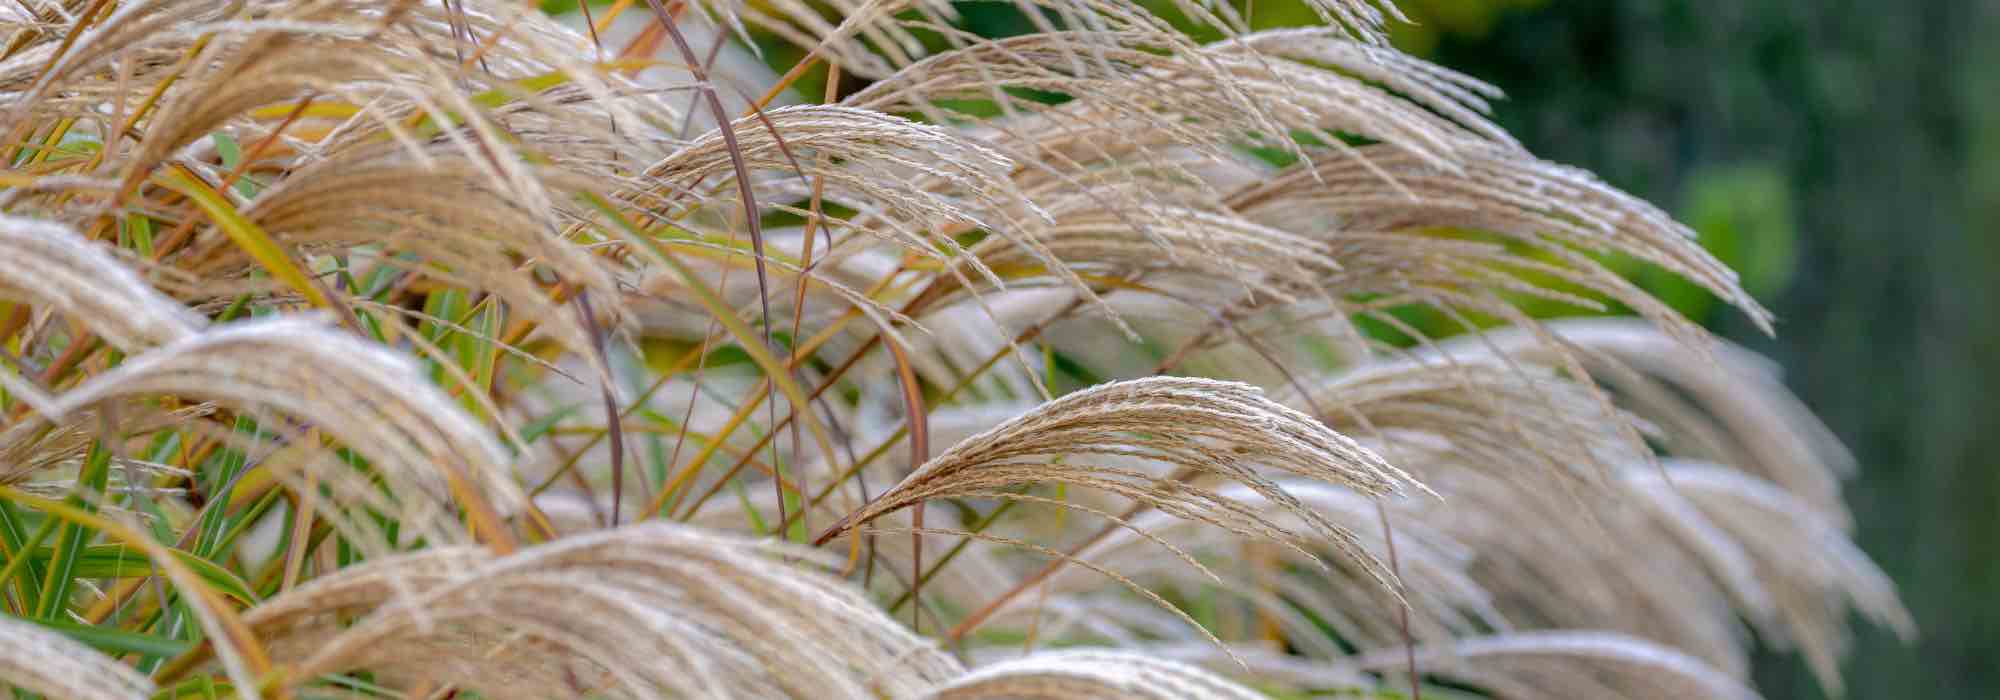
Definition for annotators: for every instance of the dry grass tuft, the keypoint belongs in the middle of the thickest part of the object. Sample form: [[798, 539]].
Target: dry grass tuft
[[41, 660], [653, 610], [380, 348], [1213, 430]]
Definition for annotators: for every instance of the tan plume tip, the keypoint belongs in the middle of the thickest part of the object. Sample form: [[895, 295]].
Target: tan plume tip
[[44, 262], [40, 660], [1728, 406], [875, 39], [1093, 675], [1814, 573], [1488, 409], [1443, 601], [1200, 428], [649, 610], [1387, 204], [372, 399], [1571, 664], [1145, 80]]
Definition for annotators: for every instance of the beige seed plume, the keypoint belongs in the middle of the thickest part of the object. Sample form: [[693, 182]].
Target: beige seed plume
[[1147, 81], [1813, 572], [1706, 544], [914, 184], [1201, 428], [1592, 559], [33, 448], [1443, 600], [1093, 675], [1558, 212], [648, 611], [47, 263], [1579, 664], [1180, 250], [1488, 409], [1729, 407], [366, 396], [875, 39], [1723, 404], [37, 659], [466, 198]]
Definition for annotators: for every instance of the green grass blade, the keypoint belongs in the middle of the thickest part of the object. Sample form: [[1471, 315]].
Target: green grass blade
[[61, 575], [246, 234], [222, 486], [116, 641], [119, 561], [13, 533]]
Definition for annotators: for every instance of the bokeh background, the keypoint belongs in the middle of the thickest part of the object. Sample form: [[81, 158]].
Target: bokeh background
[[1846, 157]]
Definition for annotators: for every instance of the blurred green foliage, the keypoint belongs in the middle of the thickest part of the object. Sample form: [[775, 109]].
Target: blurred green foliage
[[1432, 20], [1744, 216]]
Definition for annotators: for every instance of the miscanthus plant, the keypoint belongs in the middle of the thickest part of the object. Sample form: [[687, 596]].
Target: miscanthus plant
[[399, 348]]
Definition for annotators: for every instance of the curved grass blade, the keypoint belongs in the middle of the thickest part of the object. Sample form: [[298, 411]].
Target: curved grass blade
[[245, 233], [245, 660], [120, 561]]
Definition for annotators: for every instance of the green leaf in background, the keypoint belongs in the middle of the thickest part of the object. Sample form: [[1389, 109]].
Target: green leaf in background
[[232, 158], [1745, 216], [116, 641], [119, 561], [60, 574]]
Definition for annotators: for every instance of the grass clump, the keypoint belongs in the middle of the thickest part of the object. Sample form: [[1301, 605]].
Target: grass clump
[[403, 349]]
